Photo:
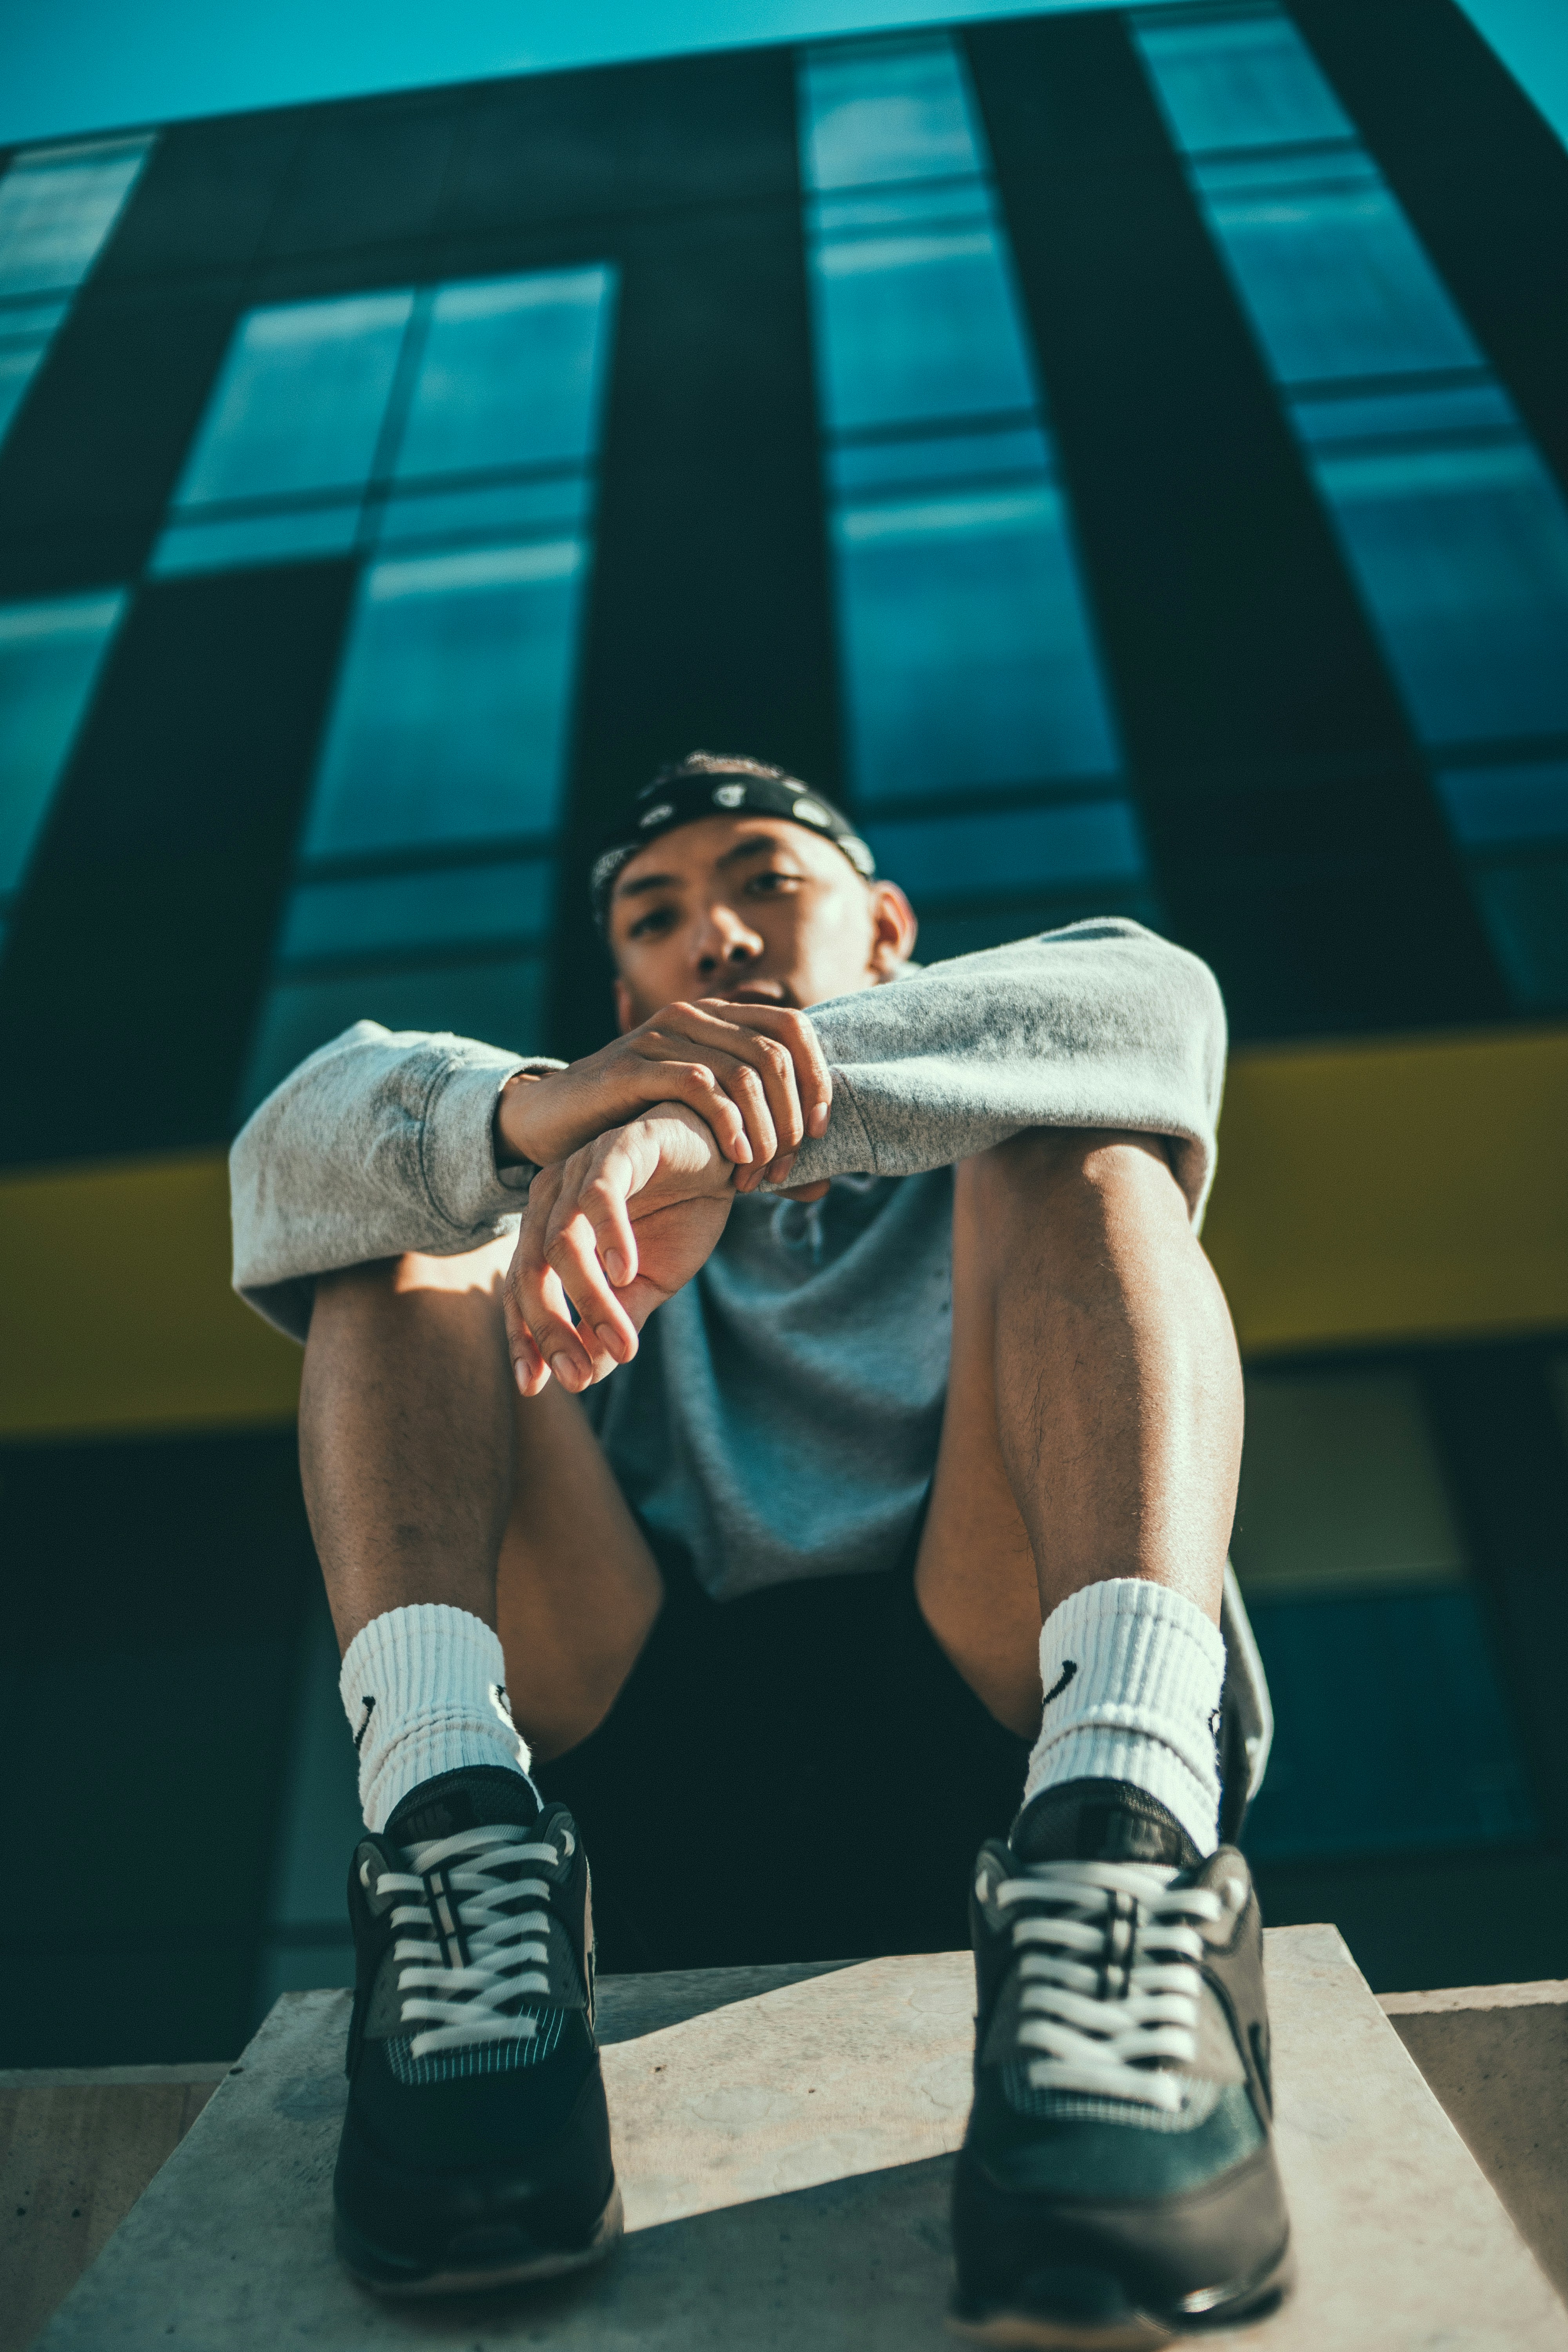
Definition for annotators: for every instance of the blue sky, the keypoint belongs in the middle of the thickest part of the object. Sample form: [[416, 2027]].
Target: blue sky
[[91, 65]]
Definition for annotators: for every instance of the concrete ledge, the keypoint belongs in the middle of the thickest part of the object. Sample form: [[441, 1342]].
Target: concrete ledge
[[1496, 2058], [784, 2138]]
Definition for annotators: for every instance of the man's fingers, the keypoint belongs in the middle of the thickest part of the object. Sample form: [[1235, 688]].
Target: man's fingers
[[605, 1331], [796, 1035]]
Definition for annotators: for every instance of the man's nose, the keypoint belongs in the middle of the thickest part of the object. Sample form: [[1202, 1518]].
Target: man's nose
[[726, 943]]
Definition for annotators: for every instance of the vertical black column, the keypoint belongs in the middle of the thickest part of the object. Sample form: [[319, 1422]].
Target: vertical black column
[[1483, 178], [1296, 840], [140, 950], [708, 624]]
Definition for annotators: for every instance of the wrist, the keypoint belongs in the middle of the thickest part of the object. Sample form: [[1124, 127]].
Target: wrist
[[512, 1124]]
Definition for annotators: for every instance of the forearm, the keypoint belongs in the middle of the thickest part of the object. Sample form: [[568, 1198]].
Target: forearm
[[377, 1145], [1102, 1025]]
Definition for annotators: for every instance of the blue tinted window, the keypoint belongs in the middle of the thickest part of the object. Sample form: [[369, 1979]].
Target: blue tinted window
[[235, 543], [451, 718], [1525, 903], [1391, 1729], [50, 653], [887, 111], [1391, 1732], [1489, 805], [1040, 851], [501, 998], [968, 658], [300, 402], [444, 907], [1241, 81], [917, 327], [966, 647], [1336, 280], [509, 374], [1454, 530], [57, 205], [1462, 553]]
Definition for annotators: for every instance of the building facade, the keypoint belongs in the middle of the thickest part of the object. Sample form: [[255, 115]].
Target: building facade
[[1124, 455]]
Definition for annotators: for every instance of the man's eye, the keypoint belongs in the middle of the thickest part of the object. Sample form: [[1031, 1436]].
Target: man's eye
[[649, 925], [771, 882]]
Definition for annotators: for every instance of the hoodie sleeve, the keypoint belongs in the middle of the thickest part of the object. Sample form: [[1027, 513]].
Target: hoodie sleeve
[[1100, 1025], [380, 1142]]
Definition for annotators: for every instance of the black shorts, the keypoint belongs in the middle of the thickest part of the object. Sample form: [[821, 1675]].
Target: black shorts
[[798, 1775]]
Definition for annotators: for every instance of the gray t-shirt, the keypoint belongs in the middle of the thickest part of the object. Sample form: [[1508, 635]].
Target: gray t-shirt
[[783, 1410]]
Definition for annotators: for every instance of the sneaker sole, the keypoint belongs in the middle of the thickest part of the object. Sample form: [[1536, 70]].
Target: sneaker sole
[[1133, 2330], [373, 2269]]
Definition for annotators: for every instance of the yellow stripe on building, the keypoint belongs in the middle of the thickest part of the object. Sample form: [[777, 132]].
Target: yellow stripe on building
[[1380, 1191]]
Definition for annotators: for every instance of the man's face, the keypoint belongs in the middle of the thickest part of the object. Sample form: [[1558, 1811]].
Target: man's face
[[754, 908]]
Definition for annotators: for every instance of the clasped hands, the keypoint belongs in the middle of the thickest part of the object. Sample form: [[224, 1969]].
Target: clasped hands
[[641, 1148]]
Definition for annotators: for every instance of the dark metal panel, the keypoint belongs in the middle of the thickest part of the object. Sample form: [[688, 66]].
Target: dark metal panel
[[367, 174], [204, 198], [708, 617], [1483, 177], [91, 461], [158, 1600], [132, 976], [1297, 844], [562, 147]]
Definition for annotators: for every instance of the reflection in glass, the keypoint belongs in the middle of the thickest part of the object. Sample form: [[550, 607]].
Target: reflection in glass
[[509, 374], [443, 906], [300, 403], [50, 655], [968, 658], [966, 646], [450, 721], [57, 207], [1452, 527]]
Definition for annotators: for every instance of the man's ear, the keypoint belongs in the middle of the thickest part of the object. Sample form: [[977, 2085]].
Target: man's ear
[[893, 929], [625, 1018]]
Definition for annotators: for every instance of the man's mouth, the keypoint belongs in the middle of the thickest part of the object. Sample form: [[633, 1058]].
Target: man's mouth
[[757, 992]]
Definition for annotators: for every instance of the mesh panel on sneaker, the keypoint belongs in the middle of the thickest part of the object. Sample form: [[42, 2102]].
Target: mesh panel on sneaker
[[1199, 2099], [478, 2057]]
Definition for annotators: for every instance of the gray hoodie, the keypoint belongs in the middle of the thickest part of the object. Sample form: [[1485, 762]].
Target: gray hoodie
[[783, 1410]]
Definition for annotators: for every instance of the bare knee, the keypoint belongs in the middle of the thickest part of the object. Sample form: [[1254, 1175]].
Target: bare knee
[[384, 1280], [1068, 1172]]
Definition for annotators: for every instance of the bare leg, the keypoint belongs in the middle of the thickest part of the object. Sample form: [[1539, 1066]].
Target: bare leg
[[1093, 1424], [426, 1477]]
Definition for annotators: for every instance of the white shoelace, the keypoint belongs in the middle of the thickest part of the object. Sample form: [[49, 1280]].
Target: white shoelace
[[1110, 1990], [473, 1955]]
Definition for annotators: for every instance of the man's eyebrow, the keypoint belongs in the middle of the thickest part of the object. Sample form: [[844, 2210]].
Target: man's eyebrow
[[647, 882], [749, 846]]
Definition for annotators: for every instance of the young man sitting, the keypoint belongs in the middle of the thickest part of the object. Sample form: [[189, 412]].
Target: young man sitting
[[852, 1385]]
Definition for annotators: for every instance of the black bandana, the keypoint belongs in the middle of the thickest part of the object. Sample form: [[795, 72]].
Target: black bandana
[[659, 807]]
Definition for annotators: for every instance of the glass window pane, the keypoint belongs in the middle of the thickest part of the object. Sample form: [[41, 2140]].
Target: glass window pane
[[1341, 1487], [501, 998], [1463, 555], [511, 374], [300, 403], [892, 112], [451, 719], [277, 535], [1337, 284], [968, 658], [902, 461], [1524, 904], [57, 205], [916, 327], [509, 899], [1242, 81], [19, 366], [1390, 1729], [51, 655], [1488, 806], [496, 511], [1010, 850]]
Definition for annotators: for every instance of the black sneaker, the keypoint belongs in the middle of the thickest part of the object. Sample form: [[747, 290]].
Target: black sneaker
[[476, 2150], [1117, 2185]]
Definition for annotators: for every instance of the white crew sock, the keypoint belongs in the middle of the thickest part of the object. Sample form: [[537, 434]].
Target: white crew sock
[[424, 1692], [1132, 1673]]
